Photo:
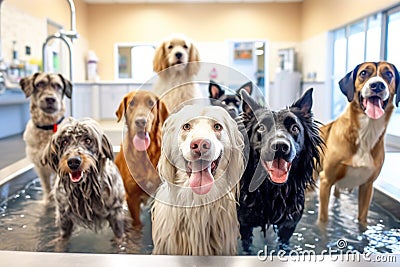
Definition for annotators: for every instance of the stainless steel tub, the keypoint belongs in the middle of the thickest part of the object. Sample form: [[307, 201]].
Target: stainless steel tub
[[15, 177]]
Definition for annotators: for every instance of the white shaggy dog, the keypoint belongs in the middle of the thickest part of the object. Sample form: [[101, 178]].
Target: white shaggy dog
[[194, 211], [176, 61]]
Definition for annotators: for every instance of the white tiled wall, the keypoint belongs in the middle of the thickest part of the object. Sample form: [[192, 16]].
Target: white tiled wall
[[25, 29]]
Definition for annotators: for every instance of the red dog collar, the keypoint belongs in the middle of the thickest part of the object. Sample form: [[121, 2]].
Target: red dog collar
[[53, 127]]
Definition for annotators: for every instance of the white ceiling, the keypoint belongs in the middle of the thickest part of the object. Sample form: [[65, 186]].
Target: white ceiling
[[185, 1]]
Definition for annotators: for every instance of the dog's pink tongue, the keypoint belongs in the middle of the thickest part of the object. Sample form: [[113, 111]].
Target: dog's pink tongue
[[373, 107], [141, 141], [201, 180], [75, 176], [278, 170]]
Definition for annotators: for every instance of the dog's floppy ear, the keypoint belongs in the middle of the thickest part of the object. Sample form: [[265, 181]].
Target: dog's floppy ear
[[247, 86], [397, 85], [215, 90], [194, 60], [27, 84], [160, 58], [165, 167], [248, 103], [106, 147], [67, 86], [304, 103], [346, 84], [162, 113], [238, 153], [122, 108]]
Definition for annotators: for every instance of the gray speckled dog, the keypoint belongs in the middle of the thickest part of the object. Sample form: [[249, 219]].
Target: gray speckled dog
[[46, 92], [88, 189]]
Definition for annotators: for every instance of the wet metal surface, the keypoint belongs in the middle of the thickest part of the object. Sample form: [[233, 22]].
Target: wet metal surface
[[28, 225]]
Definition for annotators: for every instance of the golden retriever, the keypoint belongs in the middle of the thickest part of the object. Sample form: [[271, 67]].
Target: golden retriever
[[194, 211], [176, 61]]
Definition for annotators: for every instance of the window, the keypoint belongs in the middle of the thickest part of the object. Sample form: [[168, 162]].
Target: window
[[393, 56], [134, 62], [373, 38], [373, 49], [393, 39], [339, 70], [356, 45], [353, 44]]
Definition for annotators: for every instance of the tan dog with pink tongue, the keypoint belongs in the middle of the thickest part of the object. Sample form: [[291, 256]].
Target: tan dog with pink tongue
[[144, 115], [141, 141], [355, 149]]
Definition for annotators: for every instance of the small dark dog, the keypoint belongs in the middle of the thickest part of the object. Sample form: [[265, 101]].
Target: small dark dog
[[231, 102], [283, 147], [88, 189]]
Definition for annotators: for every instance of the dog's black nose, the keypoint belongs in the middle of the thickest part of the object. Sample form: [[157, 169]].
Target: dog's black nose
[[50, 100], [280, 146], [178, 55], [74, 162], [200, 145], [140, 122], [377, 87]]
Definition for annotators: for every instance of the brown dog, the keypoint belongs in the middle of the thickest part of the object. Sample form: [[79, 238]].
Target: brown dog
[[355, 140], [141, 147]]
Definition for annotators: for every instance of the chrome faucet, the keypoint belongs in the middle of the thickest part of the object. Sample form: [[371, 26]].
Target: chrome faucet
[[67, 37]]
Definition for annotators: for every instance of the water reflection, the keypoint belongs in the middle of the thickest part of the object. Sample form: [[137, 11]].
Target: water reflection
[[27, 225]]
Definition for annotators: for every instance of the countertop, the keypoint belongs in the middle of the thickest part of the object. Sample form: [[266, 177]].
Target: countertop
[[13, 96]]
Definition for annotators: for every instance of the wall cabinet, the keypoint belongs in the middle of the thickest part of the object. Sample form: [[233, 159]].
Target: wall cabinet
[[82, 100], [100, 100], [110, 98]]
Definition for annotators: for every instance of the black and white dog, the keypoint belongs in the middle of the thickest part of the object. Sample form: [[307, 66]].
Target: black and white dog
[[283, 147], [231, 102], [88, 189]]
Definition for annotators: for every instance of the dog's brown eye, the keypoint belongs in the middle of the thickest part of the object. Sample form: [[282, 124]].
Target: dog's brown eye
[[389, 75], [186, 127], [132, 103], [218, 127], [295, 129], [170, 46], [64, 143], [41, 85], [185, 46], [88, 141], [364, 74], [57, 86], [261, 128], [151, 103]]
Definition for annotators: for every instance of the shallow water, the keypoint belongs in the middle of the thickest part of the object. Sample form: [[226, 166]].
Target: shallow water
[[27, 225]]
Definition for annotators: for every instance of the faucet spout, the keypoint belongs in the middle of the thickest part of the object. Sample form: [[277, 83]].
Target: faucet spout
[[73, 20]]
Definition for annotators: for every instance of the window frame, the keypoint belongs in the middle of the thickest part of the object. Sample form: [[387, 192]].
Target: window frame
[[116, 59], [384, 14]]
